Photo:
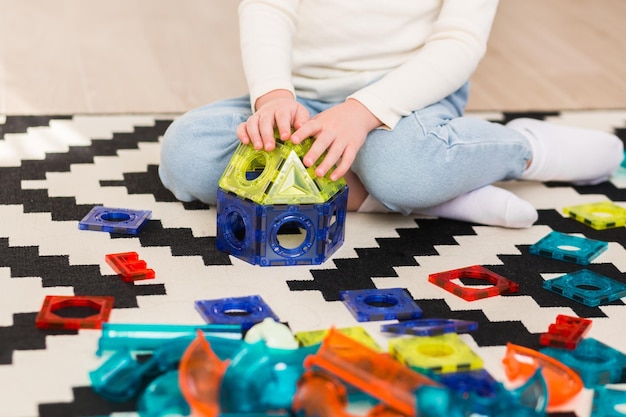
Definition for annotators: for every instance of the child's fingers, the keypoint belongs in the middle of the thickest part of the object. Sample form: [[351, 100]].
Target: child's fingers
[[283, 124], [242, 134], [344, 165], [253, 134], [308, 129], [301, 117], [266, 130]]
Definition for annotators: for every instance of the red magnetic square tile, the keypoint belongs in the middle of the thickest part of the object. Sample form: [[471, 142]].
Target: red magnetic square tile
[[501, 285]]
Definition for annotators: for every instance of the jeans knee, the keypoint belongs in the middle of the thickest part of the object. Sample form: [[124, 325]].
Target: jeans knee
[[193, 157]]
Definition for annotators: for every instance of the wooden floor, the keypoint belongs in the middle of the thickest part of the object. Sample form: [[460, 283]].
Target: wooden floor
[[159, 56]]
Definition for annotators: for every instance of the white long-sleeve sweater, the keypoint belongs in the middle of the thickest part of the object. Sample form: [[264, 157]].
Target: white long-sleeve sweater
[[393, 56]]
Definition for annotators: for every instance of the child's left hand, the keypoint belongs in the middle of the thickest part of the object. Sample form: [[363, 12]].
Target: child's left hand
[[340, 130]]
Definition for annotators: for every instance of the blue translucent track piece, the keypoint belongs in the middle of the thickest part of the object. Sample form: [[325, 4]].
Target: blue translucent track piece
[[381, 304], [244, 311], [115, 220], [569, 248], [587, 287], [595, 362], [606, 402], [479, 382], [430, 327]]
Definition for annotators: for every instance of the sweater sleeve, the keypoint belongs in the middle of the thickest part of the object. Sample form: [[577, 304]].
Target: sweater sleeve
[[266, 29], [446, 61]]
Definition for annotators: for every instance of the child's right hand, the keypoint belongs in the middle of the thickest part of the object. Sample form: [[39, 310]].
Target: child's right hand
[[276, 109]]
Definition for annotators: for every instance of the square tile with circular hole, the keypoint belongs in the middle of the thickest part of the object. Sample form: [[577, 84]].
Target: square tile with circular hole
[[568, 248], [440, 354], [115, 220], [600, 216], [381, 304], [246, 311], [587, 287]]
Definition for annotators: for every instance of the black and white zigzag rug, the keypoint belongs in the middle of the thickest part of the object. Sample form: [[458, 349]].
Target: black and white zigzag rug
[[55, 169]]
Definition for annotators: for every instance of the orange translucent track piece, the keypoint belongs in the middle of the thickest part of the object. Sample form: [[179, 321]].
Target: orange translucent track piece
[[376, 374], [563, 383], [321, 395], [200, 377]]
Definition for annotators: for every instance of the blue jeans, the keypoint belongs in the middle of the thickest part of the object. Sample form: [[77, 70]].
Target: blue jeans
[[431, 156]]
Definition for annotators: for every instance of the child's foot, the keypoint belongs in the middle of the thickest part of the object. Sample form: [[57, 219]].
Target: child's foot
[[489, 205], [569, 154]]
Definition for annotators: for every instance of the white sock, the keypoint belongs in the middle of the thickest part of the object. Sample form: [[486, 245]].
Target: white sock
[[570, 154], [489, 205]]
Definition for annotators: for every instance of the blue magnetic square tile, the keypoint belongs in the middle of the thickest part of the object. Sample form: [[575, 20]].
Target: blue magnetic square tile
[[568, 248], [246, 311], [115, 220], [381, 304], [478, 381], [587, 287], [430, 327]]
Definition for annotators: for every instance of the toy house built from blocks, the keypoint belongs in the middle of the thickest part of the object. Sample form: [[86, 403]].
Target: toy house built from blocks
[[272, 210]]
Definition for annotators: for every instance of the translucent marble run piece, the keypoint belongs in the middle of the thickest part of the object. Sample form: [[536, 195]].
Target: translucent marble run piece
[[528, 400], [430, 327], [358, 333], [438, 354], [609, 402], [566, 332], [600, 216], [277, 177], [51, 315], [200, 377], [150, 337], [595, 362], [380, 304], [115, 220], [162, 397], [121, 376], [129, 267], [319, 394], [500, 285], [568, 248], [587, 287], [376, 374], [244, 311], [262, 379], [521, 363], [124, 373]]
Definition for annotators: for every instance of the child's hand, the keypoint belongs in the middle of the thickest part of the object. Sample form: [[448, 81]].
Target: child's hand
[[341, 130], [276, 109]]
